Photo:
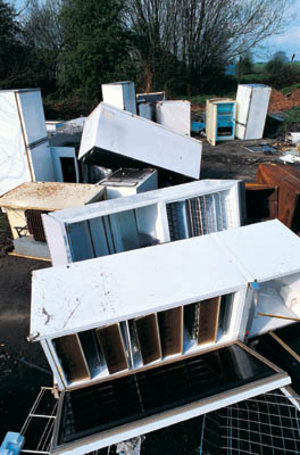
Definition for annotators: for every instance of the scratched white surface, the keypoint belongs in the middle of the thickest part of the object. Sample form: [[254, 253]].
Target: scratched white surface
[[100, 291], [169, 194], [118, 131], [265, 250]]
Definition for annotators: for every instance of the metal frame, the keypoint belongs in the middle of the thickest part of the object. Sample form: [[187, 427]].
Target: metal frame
[[177, 414]]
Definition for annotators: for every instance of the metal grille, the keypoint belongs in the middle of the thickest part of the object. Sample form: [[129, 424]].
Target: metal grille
[[265, 425], [35, 224], [200, 215]]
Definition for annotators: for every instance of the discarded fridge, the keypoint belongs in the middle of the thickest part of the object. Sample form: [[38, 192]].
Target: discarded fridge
[[111, 134], [158, 216], [252, 102], [129, 320]]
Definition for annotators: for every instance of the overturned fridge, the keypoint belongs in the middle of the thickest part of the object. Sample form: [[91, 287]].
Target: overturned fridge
[[113, 137], [159, 333], [159, 216]]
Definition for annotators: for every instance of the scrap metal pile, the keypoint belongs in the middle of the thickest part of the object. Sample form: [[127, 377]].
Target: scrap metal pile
[[159, 297]]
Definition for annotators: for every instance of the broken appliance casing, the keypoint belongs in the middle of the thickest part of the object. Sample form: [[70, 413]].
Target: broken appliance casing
[[111, 132], [126, 182], [287, 179], [141, 220], [219, 125], [175, 115], [25, 204], [252, 102], [130, 301], [120, 95]]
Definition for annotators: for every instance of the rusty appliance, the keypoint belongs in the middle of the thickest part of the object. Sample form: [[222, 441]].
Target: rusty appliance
[[261, 202], [287, 179]]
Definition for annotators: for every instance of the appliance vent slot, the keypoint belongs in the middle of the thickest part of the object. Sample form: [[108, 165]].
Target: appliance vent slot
[[71, 356], [35, 224], [113, 349], [148, 338], [130, 344]]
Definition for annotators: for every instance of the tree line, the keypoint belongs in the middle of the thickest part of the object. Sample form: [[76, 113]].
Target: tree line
[[69, 47]]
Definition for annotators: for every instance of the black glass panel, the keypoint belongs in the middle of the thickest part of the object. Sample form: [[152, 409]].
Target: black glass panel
[[270, 348], [103, 406]]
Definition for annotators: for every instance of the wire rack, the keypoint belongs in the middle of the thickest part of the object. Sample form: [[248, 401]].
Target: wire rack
[[265, 425], [268, 424]]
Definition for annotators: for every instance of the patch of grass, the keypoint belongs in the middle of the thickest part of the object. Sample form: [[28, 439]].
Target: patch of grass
[[255, 78], [259, 67], [292, 116], [201, 99], [290, 88]]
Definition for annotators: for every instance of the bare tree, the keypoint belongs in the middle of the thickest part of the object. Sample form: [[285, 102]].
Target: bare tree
[[201, 34], [42, 24]]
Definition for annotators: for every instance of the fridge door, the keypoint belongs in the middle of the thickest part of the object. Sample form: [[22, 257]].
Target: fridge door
[[42, 164], [94, 417], [243, 101], [31, 110], [14, 166]]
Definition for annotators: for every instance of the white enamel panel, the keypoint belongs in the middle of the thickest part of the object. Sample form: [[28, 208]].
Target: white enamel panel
[[118, 131], [118, 287]]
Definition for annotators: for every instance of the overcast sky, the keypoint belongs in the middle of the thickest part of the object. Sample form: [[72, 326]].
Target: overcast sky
[[288, 42]]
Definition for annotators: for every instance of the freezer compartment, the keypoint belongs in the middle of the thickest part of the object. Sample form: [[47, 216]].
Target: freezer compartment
[[275, 304], [121, 231], [103, 414]]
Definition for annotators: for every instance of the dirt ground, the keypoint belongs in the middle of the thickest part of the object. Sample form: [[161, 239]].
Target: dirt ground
[[23, 366], [280, 102]]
